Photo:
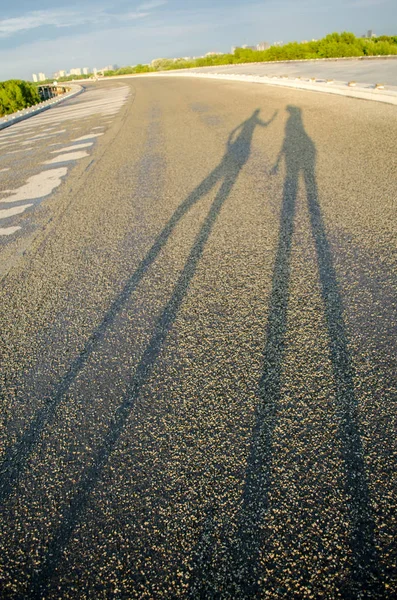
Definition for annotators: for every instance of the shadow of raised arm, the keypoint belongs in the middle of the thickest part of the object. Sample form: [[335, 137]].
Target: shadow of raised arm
[[230, 139], [266, 123], [247, 127]]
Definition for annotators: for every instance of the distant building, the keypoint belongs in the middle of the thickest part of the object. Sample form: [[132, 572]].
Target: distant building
[[370, 33], [213, 53], [278, 43], [245, 47], [75, 71], [86, 71], [62, 73], [42, 77], [34, 77], [263, 46]]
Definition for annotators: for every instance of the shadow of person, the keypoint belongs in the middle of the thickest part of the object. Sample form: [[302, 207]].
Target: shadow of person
[[299, 153], [239, 147], [237, 154]]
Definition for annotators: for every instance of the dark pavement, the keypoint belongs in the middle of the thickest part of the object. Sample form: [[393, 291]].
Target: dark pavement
[[198, 350]]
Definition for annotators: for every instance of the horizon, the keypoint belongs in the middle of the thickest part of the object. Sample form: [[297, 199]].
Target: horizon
[[50, 39]]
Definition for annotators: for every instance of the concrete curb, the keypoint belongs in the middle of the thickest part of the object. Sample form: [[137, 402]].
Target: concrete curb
[[22, 115], [361, 91], [306, 60]]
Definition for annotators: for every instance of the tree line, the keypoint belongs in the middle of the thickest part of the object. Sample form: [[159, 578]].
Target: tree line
[[334, 45], [16, 95]]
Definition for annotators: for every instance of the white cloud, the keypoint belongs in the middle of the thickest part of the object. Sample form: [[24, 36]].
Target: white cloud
[[38, 19], [365, 3], [151, 4], [95, 48], [132, 16], [67, 18]]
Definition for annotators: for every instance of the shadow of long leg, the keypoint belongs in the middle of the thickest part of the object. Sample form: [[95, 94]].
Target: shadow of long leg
[[258, 473], [16, 456], [74, 512], [362, 528], [242, 568]]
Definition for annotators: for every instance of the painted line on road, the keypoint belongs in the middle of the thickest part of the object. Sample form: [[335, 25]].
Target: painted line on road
[[95, 104], [66, 157], [37, 186], [18, 151], [8, 230], [16, 210], [74, 147], [90, 136]]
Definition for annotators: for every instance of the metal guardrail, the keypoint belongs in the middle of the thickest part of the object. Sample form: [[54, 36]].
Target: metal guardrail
[[49, 90]]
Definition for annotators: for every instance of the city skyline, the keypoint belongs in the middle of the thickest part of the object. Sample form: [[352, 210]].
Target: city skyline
[[137, 32], [73, 71], [264, 45]]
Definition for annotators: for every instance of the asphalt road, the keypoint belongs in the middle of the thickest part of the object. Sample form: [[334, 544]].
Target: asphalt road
[[363, 71], [198, 338]]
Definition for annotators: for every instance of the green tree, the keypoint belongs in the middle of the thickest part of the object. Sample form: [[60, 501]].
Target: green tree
[[334, 45], [16, 95]]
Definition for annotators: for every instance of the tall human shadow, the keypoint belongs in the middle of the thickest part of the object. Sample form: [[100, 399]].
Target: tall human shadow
[[299, 154], [237, 154]]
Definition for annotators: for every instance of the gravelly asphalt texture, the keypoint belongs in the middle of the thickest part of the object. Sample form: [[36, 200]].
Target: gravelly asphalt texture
[[198, 389]]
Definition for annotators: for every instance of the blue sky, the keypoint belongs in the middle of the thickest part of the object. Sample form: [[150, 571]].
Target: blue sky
[[42, 35]]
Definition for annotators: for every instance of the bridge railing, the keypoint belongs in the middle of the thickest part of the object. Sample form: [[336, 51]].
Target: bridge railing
[[21, 115]]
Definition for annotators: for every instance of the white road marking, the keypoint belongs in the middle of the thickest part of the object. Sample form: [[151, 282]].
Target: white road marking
[[37, 186], [74, 147], [66, 157], [96, 105], [8, 230], [17, 151], [16, 210], [87, 137], [41, 135]]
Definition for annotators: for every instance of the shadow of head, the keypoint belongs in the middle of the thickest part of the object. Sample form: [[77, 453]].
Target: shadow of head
[[299, 148], [294, 110]]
